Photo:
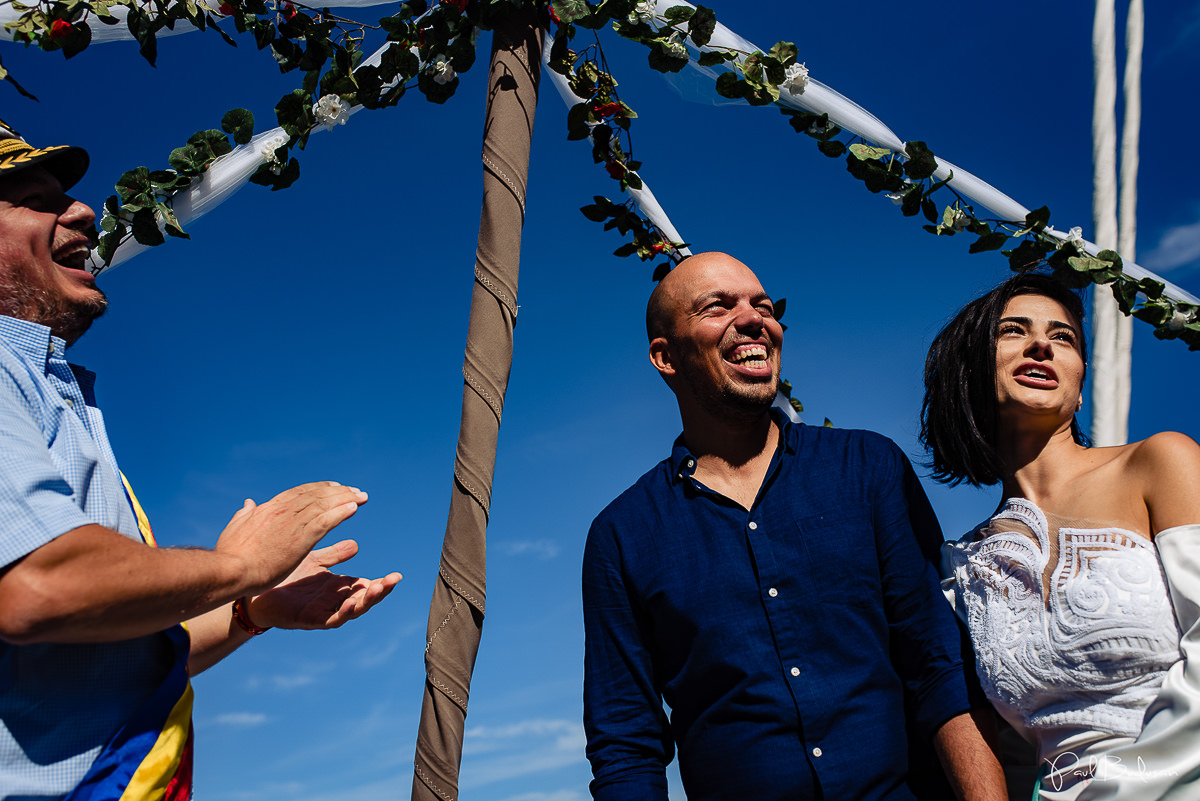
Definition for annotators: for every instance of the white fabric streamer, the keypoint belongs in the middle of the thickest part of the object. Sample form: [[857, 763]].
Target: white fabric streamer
[[818, 98], [226, 175], [643, 198]]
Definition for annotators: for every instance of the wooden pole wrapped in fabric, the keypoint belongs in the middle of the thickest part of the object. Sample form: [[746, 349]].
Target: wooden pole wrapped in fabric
[[457, 610]]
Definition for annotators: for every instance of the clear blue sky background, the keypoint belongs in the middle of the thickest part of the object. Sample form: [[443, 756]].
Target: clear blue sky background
[[317, 333]]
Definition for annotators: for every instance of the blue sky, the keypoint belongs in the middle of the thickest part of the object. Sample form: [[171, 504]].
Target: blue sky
[[317, 333]]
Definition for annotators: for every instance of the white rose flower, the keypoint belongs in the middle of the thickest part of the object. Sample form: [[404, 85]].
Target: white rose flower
[[331, 110], [268, 148], [795, 78], [674, 46], [1178, 321], [643, 12], [441, 71], [1075, 237], [895, 197], [959, 221]]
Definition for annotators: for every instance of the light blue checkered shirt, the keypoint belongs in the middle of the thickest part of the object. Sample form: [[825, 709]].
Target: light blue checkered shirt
[[59, 703]]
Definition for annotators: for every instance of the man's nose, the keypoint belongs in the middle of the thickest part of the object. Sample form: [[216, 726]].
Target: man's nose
[[749, 316], [77, 215]]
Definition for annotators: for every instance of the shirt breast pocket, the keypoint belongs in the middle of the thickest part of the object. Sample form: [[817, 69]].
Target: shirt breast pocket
[[843, 565]]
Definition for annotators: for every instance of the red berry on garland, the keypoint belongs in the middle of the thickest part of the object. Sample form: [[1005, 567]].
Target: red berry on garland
[[616, 169], [226, 9], [59, 29]]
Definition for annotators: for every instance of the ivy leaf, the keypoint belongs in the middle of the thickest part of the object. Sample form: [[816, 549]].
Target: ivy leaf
[[666, 63], [294, 114], [1112, 257], [141, 27], [676, 14], [1037, 219], [628, 249], [1098, 270], [1026, 255], [991, 241], [238, 123], [832, 148], [921, 164], [570, 10], [145, 228], [911, 205], [876, 176], [660, 272], [287, 176], [170, 222], [76, 40], [1125, 291], [702, 25], [864, 152], [780, 307], [1152, 289], [929, 209], [713, 58], [785, 53], [1154, 313], [595, 212], [730, 86]]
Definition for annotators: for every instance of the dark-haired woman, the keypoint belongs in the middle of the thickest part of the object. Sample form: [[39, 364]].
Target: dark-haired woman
[[1081, 592]]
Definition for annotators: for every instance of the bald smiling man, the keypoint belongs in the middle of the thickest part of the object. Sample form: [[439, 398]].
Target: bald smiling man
[[772, 583]]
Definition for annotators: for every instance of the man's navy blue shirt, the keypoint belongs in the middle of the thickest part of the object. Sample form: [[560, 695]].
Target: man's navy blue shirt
[[787, 640]]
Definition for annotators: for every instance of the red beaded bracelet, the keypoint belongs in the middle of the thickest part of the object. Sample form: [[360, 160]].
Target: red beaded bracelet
[[242, 618]]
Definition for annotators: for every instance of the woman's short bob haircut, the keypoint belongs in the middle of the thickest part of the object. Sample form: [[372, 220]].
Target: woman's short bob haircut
[[958, 415]]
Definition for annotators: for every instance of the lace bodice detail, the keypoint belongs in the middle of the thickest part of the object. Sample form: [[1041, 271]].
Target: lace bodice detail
[[1072, 625]]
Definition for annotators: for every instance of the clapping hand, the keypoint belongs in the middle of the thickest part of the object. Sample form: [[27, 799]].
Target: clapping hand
[[313, 597]]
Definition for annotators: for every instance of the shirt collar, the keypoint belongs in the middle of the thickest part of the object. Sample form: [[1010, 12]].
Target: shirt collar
[[33, 340], [683, 462], [37, 345]]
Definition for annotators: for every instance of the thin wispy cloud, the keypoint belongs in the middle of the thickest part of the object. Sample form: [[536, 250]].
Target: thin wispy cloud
[[1178, 247], [540, 549], [1187, 27], [513, 750], [241, 720], [281, 682]]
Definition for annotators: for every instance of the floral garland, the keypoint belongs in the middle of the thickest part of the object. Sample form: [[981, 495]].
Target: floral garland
[[430, 45]]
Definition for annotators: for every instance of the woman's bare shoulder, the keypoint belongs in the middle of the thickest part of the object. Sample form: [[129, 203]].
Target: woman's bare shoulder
[[1167, 468]]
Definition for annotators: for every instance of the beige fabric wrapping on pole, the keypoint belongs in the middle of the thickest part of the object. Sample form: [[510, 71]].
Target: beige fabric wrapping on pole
[[456, 612]]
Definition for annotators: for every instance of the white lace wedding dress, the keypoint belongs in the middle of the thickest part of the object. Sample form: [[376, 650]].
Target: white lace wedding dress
[[1074, 633]]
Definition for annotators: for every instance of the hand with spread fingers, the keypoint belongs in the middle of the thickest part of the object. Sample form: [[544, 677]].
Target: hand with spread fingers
[[271, 539], [314, 597]]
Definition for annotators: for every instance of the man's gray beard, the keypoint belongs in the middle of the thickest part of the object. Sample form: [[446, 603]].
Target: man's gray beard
[[66, 320]]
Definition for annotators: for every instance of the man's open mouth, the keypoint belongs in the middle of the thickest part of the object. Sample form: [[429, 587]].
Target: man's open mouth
[[749, 356]]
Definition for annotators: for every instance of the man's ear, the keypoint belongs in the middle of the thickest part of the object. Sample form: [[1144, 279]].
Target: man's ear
[[661, 357]]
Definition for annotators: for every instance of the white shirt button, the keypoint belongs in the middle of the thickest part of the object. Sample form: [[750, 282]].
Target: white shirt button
[[691, 462], [795, 671], [817, 752], [753, 525], [70, 402], [772, 592]]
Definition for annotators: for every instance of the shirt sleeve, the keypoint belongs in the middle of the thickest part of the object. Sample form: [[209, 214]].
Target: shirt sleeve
[[36, 503], [629, 740], [927, 642]]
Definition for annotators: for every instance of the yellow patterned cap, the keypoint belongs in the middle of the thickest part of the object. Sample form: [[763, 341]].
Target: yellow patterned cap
[[64, 162]]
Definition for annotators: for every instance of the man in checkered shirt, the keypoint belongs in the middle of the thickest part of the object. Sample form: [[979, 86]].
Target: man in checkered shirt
[[99, 630]]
